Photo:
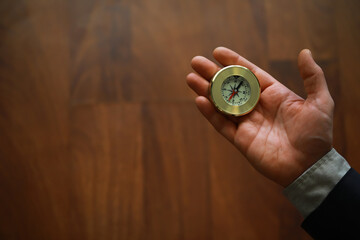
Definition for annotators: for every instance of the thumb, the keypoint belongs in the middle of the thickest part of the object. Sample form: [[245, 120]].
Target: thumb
[[313, 76]]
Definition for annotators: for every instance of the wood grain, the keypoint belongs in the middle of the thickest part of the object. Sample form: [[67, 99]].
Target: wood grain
[[99, 135]]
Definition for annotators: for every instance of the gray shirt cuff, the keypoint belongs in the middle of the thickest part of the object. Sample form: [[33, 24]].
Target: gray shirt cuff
[[309, 190]]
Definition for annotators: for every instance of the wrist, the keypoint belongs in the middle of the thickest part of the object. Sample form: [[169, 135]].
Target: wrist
[[306, 162]]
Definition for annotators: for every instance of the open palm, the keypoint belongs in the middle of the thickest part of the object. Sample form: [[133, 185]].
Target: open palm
[[284, 134]]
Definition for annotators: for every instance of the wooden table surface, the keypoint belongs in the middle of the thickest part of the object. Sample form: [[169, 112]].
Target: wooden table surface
[[99, 134]]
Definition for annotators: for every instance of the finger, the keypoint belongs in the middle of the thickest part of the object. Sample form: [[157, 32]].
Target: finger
[[223, 125], [313, 77], [227, 57], [198, 84], [204, 67]]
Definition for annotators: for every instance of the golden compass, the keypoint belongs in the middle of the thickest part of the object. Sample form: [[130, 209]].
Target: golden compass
[[234, 90]]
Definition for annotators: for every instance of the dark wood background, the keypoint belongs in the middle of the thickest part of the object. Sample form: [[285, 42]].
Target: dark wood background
[[99, 135]]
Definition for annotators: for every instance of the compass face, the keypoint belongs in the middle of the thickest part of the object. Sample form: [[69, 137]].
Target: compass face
[[236, 90]]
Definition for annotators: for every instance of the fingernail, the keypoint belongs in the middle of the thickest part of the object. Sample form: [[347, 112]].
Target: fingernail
[[310, 53]]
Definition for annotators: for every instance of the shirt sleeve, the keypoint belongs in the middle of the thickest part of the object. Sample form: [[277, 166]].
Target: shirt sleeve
[[309, 190]]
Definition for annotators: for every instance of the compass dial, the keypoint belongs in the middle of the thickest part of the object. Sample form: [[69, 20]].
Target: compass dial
[[236, 90]]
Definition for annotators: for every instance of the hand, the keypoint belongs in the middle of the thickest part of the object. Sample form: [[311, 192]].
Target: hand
[[285, 134]]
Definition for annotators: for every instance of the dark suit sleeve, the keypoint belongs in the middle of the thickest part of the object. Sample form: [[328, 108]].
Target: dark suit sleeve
[[338, 216]]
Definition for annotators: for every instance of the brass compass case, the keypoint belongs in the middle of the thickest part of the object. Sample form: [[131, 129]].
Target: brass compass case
[[217, 91]]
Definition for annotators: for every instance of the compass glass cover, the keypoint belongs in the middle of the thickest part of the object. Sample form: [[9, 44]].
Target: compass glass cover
[[235, 90]]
